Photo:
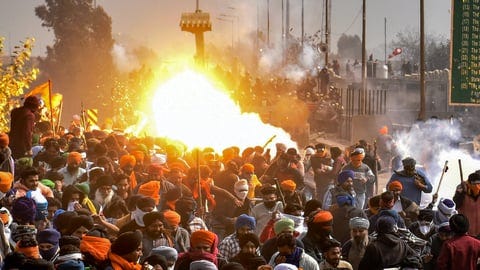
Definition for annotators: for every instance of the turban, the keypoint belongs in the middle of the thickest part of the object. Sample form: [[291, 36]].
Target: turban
[[48, 183], [173, 194], [358, 151], [83, 187], [151, 217], [156, 169], [322, 216], [74, 157], [385, 224], [444, 227], [127, 242], [172, 217], [288, 185], [309, 151], [4, 140], [241, 185], [202, 236], [383, 130], [320, 146], [50, 236], [409, 162], [5, 216], [446, 206], [127, 160], [344, 175], [247, 168], [345, 198], [248, 237], [139, 156], [425, 214], [202, 265], [105, 180], [245, 220], [151, 189], [474, 178], [6, 180], [145, 202], [80, 221], [238, 266], [459, 224], [169, 253], [23, 231], [359, 222], [285, 266], [31, 252], [395, 185], [24, 210], [283, 224]]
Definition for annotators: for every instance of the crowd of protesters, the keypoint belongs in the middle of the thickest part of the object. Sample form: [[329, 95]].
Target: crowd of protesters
[[102, 200]]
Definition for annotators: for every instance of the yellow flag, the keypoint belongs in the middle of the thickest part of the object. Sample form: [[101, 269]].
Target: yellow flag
[[42, 90]]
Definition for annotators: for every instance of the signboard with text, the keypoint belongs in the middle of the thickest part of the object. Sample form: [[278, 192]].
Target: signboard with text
[[465, 53]]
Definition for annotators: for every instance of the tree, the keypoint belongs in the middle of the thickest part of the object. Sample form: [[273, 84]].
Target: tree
[[15, 77], [79, 63], [437, 50], [349, 47]]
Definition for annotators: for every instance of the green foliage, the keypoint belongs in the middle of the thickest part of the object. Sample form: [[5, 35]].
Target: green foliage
[[349, 47], [15, 77], [79, 63]]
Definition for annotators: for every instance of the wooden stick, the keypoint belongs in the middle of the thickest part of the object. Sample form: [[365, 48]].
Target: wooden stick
[[445, 169]]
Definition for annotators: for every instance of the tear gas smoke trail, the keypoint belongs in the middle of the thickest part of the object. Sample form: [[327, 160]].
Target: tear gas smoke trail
[[431, 144]]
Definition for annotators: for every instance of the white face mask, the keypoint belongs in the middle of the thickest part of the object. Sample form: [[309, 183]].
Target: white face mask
[[242, 194], [424, 228], [71, 206]]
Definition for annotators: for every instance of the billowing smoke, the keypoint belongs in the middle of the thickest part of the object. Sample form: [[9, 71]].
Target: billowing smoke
[[274, 61], [431, 143], [123, 59]]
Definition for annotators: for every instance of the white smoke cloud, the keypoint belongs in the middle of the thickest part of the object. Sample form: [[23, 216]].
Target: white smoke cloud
[[123, 59], [431, 143]]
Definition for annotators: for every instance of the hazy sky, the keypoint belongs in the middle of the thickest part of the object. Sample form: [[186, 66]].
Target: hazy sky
[[154, 23]]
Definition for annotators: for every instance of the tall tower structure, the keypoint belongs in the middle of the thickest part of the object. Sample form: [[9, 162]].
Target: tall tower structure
[[197, 23]]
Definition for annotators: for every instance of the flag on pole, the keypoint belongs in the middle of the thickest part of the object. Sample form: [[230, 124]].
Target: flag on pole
[[42, 90], [92, 117]]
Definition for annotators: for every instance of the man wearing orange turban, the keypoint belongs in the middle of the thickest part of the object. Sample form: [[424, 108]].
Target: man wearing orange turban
[[290, 194], [7, 163], [127, 163], [72, 171], [407, 209], [181, 237], [319, 225], [203, 246]]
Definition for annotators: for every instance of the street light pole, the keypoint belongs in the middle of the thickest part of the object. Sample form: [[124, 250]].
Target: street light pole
[[303, 22], [421, 114], [364, 59], [268, 23]]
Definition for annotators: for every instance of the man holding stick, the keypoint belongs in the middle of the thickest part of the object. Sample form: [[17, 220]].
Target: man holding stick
[[466, 199]]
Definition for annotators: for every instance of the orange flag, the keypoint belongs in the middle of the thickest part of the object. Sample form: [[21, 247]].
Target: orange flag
[[42, 90]]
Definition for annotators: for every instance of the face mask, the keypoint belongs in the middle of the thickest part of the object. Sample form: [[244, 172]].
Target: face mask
[[71, 206], [424, 229], [241, 194], [48, 254]]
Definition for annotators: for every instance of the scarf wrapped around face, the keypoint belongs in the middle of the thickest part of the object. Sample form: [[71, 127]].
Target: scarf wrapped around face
[[295, 257], [119, 263]]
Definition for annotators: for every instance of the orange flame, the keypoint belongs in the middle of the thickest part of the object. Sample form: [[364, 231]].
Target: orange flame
[[190, 109]]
